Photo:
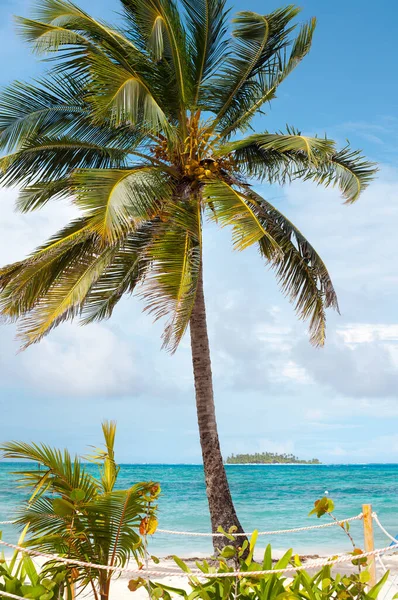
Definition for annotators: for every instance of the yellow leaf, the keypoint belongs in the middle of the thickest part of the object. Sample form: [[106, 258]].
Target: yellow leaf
[[148, 525]]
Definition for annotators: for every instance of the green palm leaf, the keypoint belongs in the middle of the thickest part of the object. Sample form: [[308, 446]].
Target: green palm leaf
[[302, 274], [24, 283], [259, 39], [347, 169], [127, 269], [278, 70], [27, 109], [46, 37], [280, 158], [117, 201], [207, 28], [175, 257], [51, 158], [61, 474], [122, 95], [63, 300], [157, 26], [229, 208], [313, 148]]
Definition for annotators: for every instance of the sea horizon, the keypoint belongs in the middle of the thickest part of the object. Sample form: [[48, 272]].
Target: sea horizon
[[199, 464]]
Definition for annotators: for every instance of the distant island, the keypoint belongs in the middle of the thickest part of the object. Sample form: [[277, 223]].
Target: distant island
[[268, 458]]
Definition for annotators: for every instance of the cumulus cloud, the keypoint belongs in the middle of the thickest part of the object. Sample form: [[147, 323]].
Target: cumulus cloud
[[83, 361], [21, 233], [358, 361]]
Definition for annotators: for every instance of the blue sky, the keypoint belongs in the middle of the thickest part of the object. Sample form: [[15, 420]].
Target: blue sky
[[273, 391]]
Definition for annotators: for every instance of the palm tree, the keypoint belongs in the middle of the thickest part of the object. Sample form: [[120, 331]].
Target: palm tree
[[138, 125], [77, 515]]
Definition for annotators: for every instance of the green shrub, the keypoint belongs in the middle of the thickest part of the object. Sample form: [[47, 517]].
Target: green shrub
[[19, 576], [73, 514], [276, 586]]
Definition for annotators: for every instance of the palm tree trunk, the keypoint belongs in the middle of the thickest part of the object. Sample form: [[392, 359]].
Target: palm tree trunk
[[222, 510]]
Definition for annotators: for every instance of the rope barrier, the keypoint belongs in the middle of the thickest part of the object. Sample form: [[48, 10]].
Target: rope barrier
[[277, 532], [8, 595], [247, 534], [376, 520], [169, 572], [331, 560]]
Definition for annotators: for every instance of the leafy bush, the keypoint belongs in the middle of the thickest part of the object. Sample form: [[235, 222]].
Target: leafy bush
[[73, 514], [276, 586], [20, 576]]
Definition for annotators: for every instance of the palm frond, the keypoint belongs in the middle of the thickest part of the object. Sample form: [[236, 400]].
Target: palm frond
[[126, 270], [281, 158], [208, 46], [67, 16], [55, 158], [51, 104], [228, 207], [24, 283], [314, 149], [61, 473], [123, 96], [174, 256], [117, 201], [278, 71], [45, 37], [65, 297], [122, 512], [259, 39], [38, 194], [156, 26], [302, 274], [347, 169]]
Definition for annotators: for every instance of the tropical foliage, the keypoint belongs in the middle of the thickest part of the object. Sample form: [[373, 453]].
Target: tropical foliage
[[76, 515], [20, 576], [265, 458], [296, 583], [137, 124], [300, 585]]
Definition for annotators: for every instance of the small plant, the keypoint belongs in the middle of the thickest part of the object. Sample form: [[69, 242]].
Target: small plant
[[325, 506], [19, 576], [73, 514]]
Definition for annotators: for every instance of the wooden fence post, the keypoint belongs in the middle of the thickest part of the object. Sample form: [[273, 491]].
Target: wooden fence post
[[369, 541]]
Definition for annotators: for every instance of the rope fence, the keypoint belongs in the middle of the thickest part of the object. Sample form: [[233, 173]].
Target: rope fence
[[170, 572], [276, 532], [310, 564], [246, 534]]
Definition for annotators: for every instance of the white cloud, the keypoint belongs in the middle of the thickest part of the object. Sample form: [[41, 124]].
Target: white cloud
[[82, 361], [21, 233], [293, 371], [359, 333], [366, 370]]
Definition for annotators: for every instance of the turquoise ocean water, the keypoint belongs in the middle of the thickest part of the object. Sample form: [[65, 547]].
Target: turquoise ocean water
[[267, 497]]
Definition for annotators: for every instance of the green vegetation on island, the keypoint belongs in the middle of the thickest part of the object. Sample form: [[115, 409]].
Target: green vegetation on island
[[268, 458]]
